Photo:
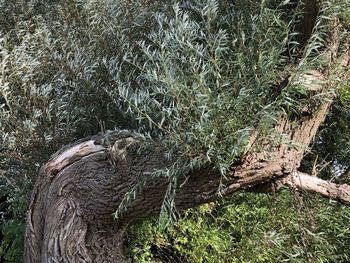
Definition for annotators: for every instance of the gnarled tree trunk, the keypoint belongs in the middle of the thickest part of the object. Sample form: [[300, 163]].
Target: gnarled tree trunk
[[70, 217]]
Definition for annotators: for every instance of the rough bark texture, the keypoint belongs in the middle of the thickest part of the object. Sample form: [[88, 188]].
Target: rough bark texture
[[70, 217]]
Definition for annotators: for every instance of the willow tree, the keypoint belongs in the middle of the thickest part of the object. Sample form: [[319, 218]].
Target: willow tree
[[194, 100]]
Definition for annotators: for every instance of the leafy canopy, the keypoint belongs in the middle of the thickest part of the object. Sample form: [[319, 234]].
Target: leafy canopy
[[196, 76], [200, 75]]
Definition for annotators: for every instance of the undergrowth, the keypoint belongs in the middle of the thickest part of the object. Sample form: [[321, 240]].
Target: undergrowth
[[248, 227]]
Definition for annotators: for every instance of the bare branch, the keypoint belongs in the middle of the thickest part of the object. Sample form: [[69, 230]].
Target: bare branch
[[339, 192]]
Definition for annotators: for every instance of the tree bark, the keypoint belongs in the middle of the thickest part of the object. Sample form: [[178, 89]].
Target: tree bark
[[70, 217], [339, 192]]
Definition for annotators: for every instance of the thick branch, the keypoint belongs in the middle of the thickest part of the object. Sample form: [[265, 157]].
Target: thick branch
[[71, 155], [339, 192], [70, 217], [82, 186]]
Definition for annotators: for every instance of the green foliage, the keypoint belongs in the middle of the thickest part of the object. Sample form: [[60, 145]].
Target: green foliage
[[12, 245], [249, 228], [329, 156], [13, 206], [199, 76], [191, 72], [195, 76]]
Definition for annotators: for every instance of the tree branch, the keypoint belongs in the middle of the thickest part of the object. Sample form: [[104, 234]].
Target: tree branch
[[339, 192]]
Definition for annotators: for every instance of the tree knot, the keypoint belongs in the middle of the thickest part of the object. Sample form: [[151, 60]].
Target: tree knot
[[120, 149]]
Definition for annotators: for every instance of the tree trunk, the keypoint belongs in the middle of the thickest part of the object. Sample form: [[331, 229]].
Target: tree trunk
[[70, 216]]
